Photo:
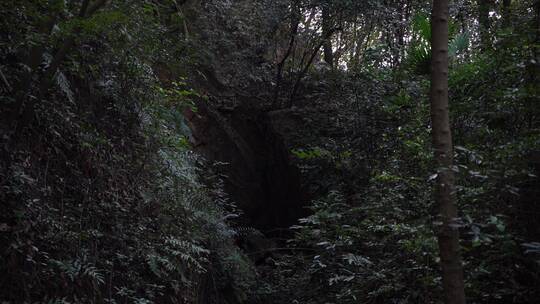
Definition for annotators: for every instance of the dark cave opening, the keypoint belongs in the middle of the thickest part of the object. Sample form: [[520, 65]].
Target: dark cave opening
[[259, 176]]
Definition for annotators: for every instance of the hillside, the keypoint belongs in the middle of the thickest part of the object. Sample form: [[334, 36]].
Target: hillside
[[269, 151]]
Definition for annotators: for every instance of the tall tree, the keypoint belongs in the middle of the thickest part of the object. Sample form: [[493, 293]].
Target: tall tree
[[327, 34], [506, 4], [445, 197], [484, 7], [536, 27]]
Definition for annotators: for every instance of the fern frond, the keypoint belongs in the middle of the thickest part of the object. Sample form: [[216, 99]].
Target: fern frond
[[64, 85]]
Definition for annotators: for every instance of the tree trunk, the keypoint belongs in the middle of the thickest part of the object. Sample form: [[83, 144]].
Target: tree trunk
[[445, 197], [506, 12], [536, 27], [326, 30], [534, 64], [484, 23], [295, 22], [534, 70]]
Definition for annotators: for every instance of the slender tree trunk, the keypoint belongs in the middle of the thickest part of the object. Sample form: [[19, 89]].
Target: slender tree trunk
[[326, 32], [534, 65], [484, 23], [445, 198], [534, 69], [295, 22], [506, 12], [536, 27], [305, 68]]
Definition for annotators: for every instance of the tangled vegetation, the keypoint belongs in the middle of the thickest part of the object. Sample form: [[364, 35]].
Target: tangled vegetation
[[122, 124]]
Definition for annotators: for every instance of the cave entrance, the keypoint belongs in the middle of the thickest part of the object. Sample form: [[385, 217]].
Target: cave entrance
[[259, 175]]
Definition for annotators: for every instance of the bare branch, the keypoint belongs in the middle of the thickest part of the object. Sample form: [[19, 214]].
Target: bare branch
[[5, 79]]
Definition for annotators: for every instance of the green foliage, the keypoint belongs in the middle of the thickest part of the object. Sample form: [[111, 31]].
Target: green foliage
[[178, 96], [419, 54], [102, 200], [348, 254], [374, 240], [311, 153], [97, 24]]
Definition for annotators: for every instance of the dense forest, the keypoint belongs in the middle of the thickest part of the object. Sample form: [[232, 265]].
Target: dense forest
[[269, 151]]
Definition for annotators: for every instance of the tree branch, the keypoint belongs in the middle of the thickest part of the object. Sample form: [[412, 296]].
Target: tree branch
[[308, 64], [26, 110], [96, 6], [84, 6], [5, 79], [86, 11]]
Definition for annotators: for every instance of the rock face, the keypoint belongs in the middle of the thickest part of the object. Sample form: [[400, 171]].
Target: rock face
[[259, 175]]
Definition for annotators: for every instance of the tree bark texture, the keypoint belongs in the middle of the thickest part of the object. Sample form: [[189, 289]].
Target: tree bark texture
[[445, 198], [484, 7], [326, 31], [506, 7]]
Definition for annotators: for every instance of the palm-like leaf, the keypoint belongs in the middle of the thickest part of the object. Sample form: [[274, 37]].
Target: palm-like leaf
[[458, 44], [422, 27], [419, 54]]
